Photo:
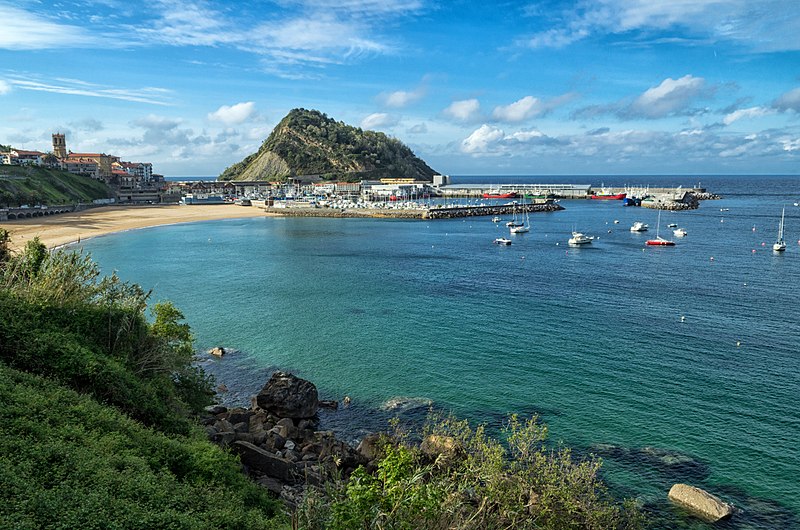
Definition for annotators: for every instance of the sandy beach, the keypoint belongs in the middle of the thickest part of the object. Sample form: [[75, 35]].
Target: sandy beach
[[66, 228]]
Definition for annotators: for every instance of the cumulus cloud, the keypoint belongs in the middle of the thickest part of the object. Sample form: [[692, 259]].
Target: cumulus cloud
[[465, 110], [233, 114], [521, 110], [670, 97], [402, 98], [5, 87], [483, 140], [752, 112], [788, 101], [378, 120]]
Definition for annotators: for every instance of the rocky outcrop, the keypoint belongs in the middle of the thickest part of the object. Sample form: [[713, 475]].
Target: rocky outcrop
[[288, 396], [284, 454], [704, 504]]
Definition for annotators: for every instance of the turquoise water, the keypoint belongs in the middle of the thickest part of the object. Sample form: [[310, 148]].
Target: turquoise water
[[590, 338]]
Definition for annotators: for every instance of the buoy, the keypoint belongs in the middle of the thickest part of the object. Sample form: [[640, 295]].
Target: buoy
[[763, 244], [683, 318], [712, 258], [754, 251], [745, 284], [738, 343]]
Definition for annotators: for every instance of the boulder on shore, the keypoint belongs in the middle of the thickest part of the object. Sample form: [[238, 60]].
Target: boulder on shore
[[708, 506], [288, 396], [217, 351]]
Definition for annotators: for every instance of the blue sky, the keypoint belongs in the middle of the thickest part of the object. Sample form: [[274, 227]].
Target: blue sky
[[474, 88]]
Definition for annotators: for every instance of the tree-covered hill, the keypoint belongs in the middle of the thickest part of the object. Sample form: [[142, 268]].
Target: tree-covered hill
[[307, 142], [38, 185]]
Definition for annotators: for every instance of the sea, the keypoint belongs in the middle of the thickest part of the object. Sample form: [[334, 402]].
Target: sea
[[674, 364]]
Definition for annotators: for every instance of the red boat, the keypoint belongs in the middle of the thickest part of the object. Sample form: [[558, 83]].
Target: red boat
[[660, 242], [510, 195], [610, 196]]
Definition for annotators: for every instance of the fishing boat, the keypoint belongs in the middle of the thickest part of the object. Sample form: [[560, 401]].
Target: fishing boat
[[606, 194], [659, 241], [498, 195], [579, 239], [780, 244], [639, 226], [502, 241]]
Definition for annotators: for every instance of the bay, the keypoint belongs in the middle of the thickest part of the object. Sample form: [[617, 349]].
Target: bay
[[592, 339]]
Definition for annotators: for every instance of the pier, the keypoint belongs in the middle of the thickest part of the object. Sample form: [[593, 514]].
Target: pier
[[443, 212]]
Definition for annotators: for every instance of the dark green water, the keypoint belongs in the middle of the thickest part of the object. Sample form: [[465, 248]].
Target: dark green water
[[591, 338]]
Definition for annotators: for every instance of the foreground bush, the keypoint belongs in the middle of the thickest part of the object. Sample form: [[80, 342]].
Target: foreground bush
[[461, 478], [69, 462], [60, 319]]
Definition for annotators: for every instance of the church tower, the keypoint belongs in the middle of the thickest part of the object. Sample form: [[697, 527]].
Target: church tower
[[59, 145]]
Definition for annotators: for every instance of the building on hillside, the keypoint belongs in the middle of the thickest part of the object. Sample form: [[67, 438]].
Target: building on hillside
[[20, 157], [81, 166]]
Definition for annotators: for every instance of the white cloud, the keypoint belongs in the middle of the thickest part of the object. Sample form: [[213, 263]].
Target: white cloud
[[233, 114], [767, 25], [5, 87], [483, 140], [521, 110], [752, 112], [788, 101], [402, 98], [791, 145], [465, 110], [378, 120], [670, 97], [23, 30], [76, 87], [420, 128]]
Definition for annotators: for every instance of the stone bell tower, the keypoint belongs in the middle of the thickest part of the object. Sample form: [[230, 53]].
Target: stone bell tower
[[59, 145]]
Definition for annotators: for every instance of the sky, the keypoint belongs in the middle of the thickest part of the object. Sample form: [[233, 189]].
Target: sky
[[617, 87]]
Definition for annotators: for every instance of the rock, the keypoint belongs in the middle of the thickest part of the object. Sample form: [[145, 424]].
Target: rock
[[223, 438], [217, 409], [239, 415], [368, 448], [218, 351], [328, 404], [224, 426], [288, 396], [706, 505], [260, 460], [435, 445], [273, 485]]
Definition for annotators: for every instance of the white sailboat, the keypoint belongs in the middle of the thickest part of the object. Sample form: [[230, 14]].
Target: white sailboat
[[659, 241], [524, 227], [780, 244]]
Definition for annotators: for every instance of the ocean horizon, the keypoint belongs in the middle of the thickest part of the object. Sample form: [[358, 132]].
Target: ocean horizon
[[672, 364]]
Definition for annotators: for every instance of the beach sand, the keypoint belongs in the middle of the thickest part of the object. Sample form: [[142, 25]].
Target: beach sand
[[66, 228]]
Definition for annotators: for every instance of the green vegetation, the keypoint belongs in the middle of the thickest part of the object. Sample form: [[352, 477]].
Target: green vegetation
[[461, 478], [307, 142], [96, 426], [38, 185]]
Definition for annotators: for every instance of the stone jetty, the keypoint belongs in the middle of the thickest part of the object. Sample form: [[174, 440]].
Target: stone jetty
[[442, 212]]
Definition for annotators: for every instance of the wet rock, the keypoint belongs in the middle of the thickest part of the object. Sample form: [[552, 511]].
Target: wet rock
[[329, 404], [706, 505], [217, 351], [288, 396], [369, 448]]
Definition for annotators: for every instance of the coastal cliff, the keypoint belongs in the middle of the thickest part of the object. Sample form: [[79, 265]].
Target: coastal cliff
[[308, 142]]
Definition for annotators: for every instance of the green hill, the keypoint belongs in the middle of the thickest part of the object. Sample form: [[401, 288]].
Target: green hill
[[307, 142], [37, 185]]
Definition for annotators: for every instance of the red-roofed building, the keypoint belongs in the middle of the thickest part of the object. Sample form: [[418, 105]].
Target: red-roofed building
[[21, 157]]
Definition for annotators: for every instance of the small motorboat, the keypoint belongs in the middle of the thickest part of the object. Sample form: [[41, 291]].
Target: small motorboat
[[496, 219], [680, 232], [502, 241], [672, 225], [579, 239], [639, 226]]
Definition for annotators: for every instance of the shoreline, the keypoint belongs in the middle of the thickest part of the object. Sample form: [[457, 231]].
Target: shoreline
[[63, 229]]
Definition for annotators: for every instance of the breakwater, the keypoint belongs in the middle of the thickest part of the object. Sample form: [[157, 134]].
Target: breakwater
[[419, 213]]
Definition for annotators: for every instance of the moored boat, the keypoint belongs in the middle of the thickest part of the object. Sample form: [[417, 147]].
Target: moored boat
[[502, 241], [639, 226], [492, 195], [606, 194], [680, 232], [659, 241], [579, 239], [780, 244]]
